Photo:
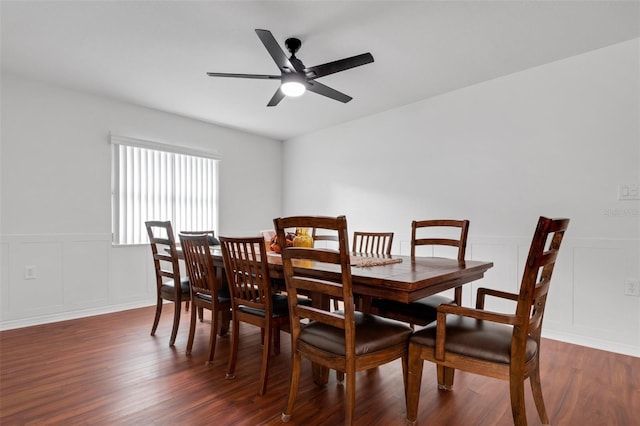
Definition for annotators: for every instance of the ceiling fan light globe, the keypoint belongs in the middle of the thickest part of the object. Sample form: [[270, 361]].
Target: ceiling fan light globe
[[292, 88]]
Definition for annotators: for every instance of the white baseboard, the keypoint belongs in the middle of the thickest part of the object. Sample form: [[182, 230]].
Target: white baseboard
[[591, 342], [64, 316]]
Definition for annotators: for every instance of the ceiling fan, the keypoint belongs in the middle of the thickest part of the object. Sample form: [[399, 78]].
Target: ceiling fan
[[295, 77]]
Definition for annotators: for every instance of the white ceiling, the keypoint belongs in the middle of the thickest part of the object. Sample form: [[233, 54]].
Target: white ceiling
[[156, 53]]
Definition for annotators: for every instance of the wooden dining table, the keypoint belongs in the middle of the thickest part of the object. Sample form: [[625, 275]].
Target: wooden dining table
[[406, 280], [394, 277]]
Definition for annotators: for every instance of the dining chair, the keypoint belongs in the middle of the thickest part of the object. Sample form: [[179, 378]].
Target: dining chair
[[372, 242], [253, 300], [206, 291], [428, 233], [213, 241], [169, 285], [502, 346], [346, 341]]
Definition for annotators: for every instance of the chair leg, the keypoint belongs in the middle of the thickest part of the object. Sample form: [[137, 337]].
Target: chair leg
[[296, 361], [445, 377], [536, 388], [234, 349], [414, 380], [276, 340], [192, 331], [176, 322], [350, 397], [186, 305], [266, 354], [201, 314], [212, 335], [405, 370], [516, 391], [156, 320]]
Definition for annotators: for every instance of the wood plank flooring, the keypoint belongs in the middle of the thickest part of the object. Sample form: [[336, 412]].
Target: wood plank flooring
[[108, 370]]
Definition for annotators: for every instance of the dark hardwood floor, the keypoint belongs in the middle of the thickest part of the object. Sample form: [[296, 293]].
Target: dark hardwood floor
[[108, 370]]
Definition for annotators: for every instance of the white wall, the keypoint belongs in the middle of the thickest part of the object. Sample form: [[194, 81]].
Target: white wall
[[55, 212], [555, 140]]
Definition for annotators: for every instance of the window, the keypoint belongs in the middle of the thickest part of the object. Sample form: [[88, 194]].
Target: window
[[152, 181]]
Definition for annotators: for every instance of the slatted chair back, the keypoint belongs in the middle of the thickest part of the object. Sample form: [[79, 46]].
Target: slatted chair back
[[248, 277], [199, 264], [372, 242]]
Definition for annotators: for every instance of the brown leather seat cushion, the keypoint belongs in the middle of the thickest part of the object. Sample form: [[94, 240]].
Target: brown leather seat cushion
[[167, 286], [222, 296], [423, 309], [373, 333], [280, 306], [475, 338]]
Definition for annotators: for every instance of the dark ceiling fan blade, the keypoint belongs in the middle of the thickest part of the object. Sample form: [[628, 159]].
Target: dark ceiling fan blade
[[277, 97], [275, 50], [339, 65], [259, 76], [327, 91]]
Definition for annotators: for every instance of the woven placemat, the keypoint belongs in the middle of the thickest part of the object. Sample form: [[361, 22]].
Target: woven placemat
[[367, 261]]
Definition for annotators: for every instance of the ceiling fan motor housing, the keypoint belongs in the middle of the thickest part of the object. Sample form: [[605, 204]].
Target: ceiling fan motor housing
[[293, 45]]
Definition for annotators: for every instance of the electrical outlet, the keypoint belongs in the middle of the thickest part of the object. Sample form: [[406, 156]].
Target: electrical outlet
[[629, 191], [30, 272], [632, 288]]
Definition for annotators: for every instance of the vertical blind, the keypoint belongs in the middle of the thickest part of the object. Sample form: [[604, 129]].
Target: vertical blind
[[151, 184]]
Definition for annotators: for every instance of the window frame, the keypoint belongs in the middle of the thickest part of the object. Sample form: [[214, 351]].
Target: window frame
[[116, 141]]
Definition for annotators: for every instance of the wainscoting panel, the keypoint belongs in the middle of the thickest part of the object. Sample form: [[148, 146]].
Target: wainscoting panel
[[132, 274], [600, 303], [48, 278], [36, 277], [86, 272]]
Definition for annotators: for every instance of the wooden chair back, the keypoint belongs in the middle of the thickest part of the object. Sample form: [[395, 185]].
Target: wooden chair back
[[248, 277], [536, 279], [165, 255], [211, 236], [339, 288], [372, 242], [199, 264], [432, 226]]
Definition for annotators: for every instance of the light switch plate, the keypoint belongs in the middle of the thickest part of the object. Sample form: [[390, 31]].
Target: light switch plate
[[632, 287]]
